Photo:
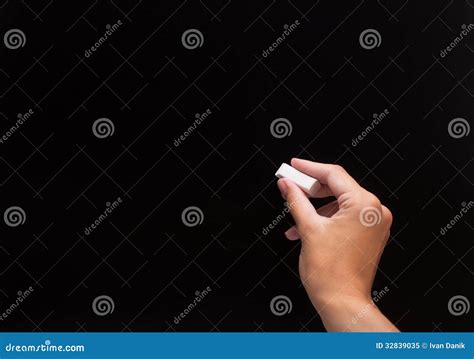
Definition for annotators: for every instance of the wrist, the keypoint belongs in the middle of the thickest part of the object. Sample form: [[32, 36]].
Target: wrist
[[347, 305], [353, 313], [335, 299]]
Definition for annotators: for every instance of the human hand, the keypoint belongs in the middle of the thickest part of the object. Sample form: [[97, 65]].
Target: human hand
[[341, 245]]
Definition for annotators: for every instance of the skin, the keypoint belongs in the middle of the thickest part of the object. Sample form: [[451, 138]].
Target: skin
[[341, 246]]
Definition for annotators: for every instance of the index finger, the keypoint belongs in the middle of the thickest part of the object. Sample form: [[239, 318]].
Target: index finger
[[337, 179]]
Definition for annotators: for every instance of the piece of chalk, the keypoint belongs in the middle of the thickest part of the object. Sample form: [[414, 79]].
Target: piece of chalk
[[307, 183]]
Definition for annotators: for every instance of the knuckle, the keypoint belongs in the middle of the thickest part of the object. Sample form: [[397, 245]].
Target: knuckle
[[372, 200], [338, 169], [387, 215]]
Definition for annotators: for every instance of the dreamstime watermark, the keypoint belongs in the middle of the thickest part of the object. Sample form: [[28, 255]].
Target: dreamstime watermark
[[21, 119], [103, 128], [44, 347], [21, 296], [370, 39], [14, 216], [459, 305], [199, 118], [192, 39], [279, 218], [197, 299], [281, 127], [466, 29], [14, 39], [376, 296], [458, 127], [370, 216], [465, 207], [281, 305], [103, 305], [110, 29], [192, 216], [377, 119], [110, 207], [288, 29]]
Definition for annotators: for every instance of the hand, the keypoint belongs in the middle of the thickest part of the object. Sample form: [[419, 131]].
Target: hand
[[341, 245]]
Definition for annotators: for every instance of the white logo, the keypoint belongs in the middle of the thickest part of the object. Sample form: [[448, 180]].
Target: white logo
[[14, 216], [281, 305], [370, 216], [458, 128], [103, 305], [103, 127], [14, 39], [459, 305], [370, 39], [281, 127], [192, 216], [192, 39]]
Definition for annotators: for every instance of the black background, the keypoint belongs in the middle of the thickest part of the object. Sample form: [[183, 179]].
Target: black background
[[151, 87]]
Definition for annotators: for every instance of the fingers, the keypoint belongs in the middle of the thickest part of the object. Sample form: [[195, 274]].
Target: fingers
[[327, 211], [292, 234], [299, 205], [323, 192], [334, 176]]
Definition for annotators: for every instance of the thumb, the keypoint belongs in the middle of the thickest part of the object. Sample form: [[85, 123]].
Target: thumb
[[300, 207]]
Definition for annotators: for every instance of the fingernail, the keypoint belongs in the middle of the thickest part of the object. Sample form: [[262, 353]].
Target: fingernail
[[292, 234]]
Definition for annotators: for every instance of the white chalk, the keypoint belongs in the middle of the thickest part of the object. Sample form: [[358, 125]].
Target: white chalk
[[307, 183]]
